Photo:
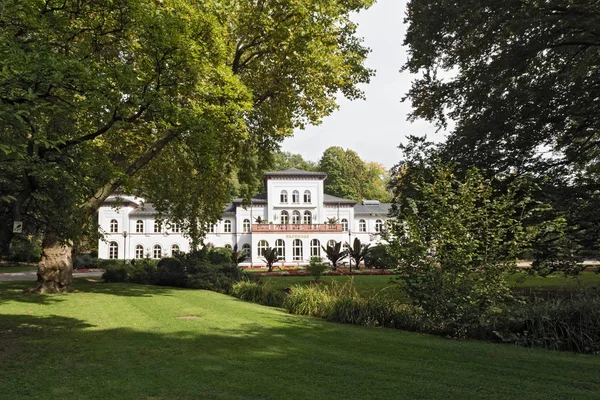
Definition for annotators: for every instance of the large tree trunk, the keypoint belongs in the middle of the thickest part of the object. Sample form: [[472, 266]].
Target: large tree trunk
[[55, 271]]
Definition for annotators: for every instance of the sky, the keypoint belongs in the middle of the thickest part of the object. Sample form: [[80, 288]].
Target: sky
[[376, 126]]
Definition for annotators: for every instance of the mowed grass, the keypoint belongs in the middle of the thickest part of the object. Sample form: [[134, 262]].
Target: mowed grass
[[130, 342], [8, 268]]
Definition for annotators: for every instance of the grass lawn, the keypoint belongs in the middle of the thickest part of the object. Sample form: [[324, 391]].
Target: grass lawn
[[129, 341], [7, 268]]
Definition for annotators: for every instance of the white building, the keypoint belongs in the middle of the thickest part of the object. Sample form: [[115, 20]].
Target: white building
[[294, 216]]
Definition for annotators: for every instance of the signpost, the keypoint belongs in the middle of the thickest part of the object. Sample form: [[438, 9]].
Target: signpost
[[18, 227]]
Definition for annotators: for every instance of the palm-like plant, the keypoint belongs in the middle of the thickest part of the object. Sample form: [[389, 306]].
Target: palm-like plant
[[357, 252], [270, 256], [237, 256], [332, 220], [334, 253]]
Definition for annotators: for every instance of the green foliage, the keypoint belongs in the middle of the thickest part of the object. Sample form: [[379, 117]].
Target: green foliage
[[237, 256], [171, 272], [456, 241], [555, 251], [143, 271], [257, 292], [334, 253], [379, 257], [115, 271], [358, 251], [316, 267], [25, 249], [271, 257], [219, 255]]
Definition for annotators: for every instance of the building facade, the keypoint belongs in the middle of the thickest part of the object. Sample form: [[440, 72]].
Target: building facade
[[294, 216]]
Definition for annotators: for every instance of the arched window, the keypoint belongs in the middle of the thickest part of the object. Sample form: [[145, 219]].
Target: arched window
[[283, 196], [247, 250], [295, 196], [262, 246], [114, 226], [211, 229], [280, 247], [285, 217], [246, 225], [175, 228], [157, 251], [157, 227], [113, 250], [362, 225], [175, 249], [228, 246], [307, 196], [378, 225], [295, 217], [139, 251], [315, 248], [227, 226], [297, 250], [139, 226], [331, 243], [344, 224], [307, 217]]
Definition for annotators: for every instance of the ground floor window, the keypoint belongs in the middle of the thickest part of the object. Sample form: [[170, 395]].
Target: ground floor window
[[297, 250], [157, 251], [228, 246], [174, 249], [315, 248], [139, 251], [280, 247], [247, 251], [263, 245], [113, 250]]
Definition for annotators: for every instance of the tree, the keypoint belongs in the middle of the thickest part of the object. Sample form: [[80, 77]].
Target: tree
[[334, 253], [349, 176], [520, 80], [170, 99], [456, 240], [270, 256], [358, 252], [283, 160]]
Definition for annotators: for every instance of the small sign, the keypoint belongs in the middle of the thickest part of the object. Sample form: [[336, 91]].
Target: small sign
[[296, 236], [18, 227]]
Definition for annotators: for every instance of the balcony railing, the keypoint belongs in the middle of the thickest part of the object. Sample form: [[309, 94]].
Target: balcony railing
[[297, 228]]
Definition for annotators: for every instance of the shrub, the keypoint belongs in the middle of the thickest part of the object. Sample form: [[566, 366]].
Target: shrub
[[259, 293], [310, 300], [85, 260], [219, 278], [24, 249], [316, 267], [115, 271], [144, 271], [380, 258], [171, 272], [219, 255]]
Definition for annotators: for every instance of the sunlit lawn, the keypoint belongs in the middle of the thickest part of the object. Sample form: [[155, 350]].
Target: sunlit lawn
[[141, 342], [8, 268]]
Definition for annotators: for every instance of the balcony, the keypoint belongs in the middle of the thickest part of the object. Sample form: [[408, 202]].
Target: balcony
[[279, 228]]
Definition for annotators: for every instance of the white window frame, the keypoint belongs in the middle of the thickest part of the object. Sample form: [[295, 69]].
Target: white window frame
[[139, 226], [297, 250], [315, 248], [296, 217], [307, 196], [283, 196], [378, 226], [280, 248], [362, 225], [157, 227], [295, 197], [114, 226], [139, 251], [285, 217], [227, 226], [157, 251], [307, 217], [344, 224], [261, 247], [246, 226], [113, 250]]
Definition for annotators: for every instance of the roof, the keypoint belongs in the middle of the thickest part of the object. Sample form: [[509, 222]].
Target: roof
[[382, 209], [329, 199], [295, 172], [259, 198], [145, 209]]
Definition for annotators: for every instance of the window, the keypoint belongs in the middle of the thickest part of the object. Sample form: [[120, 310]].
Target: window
[[139, 226], [295, 217], [113, 250], [307, 217], [285, 217], [344, 224], [211, 229], [114, 226], [307, 196], [362, 225], [228, 246], [283, 196], [280, 247], [157, 251], [295, 196], [139, 251], [227, 226], [297, 250], [246, 225], [262, 246], [175, 249], [175, 227], [315, 248], [378, 225], [247, 250], [157, 227]]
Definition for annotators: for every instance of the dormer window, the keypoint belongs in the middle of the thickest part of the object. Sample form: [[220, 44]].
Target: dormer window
[[295, 196], [283, 196], [307, 196]]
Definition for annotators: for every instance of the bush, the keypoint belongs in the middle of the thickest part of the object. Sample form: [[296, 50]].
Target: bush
[[310, 300], [171, 272], [219, 278], [144, 271], [219, 255], [379, 257], [115, 271], [316, 267], [85, 260], [24, 249], [257, 292]]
